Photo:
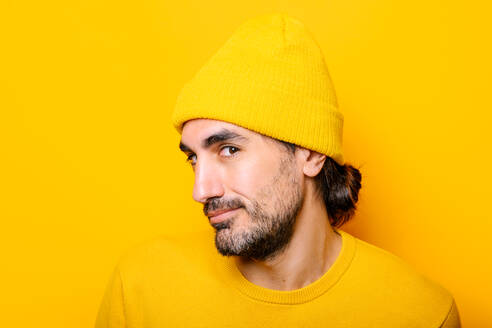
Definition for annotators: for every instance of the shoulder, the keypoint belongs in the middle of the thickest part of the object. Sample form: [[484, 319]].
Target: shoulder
[[379, 263], [396, 285]]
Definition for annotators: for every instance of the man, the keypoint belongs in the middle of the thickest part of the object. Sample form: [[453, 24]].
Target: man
[[262, 131]]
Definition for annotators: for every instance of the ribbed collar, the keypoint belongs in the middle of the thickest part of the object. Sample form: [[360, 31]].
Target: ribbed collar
[[297, 296]]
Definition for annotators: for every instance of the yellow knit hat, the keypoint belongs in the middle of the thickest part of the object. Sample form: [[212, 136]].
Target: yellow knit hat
[[269, 77]]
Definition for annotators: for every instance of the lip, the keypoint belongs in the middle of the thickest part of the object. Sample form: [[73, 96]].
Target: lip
[[221, 215]]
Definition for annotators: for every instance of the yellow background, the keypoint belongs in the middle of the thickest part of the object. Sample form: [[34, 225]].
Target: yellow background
[[90, 166]]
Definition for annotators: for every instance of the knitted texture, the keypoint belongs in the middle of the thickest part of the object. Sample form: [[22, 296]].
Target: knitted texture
[[270, 77]]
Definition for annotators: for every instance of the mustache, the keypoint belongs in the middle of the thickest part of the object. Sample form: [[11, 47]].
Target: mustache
[[221, 204]]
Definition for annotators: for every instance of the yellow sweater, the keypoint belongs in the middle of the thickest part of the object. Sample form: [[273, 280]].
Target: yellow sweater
[[182, 281]]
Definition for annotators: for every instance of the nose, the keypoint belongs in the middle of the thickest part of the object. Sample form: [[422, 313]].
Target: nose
[[208, 182]]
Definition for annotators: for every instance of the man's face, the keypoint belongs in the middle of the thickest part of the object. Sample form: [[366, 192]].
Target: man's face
[[252, 177]]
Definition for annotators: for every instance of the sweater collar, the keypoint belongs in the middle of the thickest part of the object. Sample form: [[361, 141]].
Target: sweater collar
[[296, 296]]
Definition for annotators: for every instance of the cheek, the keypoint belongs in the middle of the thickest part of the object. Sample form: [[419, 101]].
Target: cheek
[[249, 176], [242, 179]]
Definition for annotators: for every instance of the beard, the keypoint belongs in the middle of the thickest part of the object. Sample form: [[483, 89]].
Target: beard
[[268, 232]]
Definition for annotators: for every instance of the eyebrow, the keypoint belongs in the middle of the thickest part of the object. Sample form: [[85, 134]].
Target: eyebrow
[[222, 135]]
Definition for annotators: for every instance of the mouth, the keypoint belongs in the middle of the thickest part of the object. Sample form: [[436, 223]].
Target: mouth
[[219, 216]]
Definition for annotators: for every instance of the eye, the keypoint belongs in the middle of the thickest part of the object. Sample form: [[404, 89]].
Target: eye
[[232, 150], [190, 160]]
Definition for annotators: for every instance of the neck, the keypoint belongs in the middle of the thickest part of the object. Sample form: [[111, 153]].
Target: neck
[[312, 250]]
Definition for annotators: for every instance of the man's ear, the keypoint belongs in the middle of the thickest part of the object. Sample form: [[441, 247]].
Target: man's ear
[[313, 162]]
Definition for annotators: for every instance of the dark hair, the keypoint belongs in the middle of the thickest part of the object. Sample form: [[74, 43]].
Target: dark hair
[[338, 185]]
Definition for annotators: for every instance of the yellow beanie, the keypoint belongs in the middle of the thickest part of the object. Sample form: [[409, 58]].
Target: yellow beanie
[[269, 77]]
